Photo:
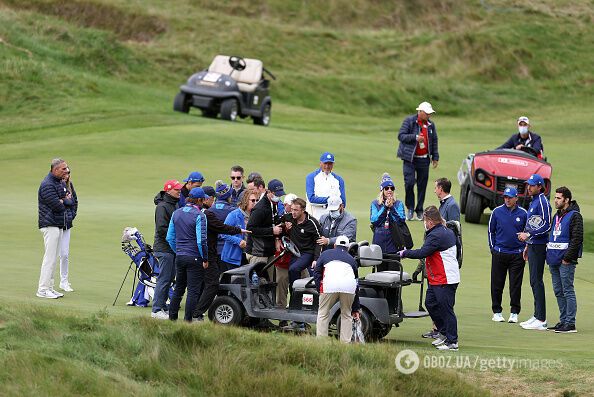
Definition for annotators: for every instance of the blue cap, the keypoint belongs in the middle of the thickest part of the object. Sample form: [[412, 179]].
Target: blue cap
[[223, 191], [535, 179], [198, 192], [209, 190], [327, 157], [276, 187], [510, 192], [194, 177]]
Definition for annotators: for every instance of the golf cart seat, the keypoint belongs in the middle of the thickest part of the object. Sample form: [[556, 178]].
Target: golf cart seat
[[305, 284], [371, 255], [247, 79], [389, 276]]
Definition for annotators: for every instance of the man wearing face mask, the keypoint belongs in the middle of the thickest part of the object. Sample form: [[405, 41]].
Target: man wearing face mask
[[337, 222], [321, 184], [524, 138]]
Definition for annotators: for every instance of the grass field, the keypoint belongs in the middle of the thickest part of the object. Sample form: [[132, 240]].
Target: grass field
[[121, 140]]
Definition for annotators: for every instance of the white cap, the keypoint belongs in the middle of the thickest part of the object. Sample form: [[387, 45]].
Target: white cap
[[426, 107], [289, 198], [524, 119], [334, 203], [342, 241]]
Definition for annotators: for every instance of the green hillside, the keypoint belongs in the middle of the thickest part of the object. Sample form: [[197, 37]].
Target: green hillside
[[351, 57], [93, 82]]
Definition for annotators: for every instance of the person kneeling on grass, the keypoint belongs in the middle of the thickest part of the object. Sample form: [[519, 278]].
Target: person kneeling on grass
[[336, 280], [443, 275]]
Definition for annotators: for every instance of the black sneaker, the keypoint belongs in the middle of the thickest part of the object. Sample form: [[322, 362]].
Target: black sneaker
[[433, 334], [410, 215], [555, 327], [566, 329]]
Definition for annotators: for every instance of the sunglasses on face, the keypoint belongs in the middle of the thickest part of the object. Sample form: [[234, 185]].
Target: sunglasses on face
[[392, 188], [254, 200], [234, 178]]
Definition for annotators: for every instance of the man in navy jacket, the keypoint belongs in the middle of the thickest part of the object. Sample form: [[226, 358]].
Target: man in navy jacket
[[52, 222], [417, 149], [536, 235], [505, 223]]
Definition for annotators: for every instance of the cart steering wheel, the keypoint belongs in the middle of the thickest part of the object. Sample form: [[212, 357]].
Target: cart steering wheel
[[237, 63], [290, 246], [529, 150]]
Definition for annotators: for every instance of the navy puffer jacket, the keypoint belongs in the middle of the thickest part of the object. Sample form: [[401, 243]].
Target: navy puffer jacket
[[407, 136], [52, 212]]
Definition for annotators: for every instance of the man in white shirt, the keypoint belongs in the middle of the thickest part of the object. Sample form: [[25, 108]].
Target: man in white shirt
[[321, 184]]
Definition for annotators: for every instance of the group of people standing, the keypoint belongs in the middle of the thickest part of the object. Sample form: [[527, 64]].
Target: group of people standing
[[517, 235], [202, 231]]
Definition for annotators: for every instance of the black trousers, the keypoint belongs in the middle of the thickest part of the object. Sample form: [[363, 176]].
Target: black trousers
[[417, 173], [537, 254], [189, 274], [440, 301], [501, 265], [210, 287]]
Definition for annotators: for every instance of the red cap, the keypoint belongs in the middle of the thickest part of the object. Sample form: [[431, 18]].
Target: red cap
[[172, 184]]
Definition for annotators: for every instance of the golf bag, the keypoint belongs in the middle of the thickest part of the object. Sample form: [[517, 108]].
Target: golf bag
[[145, 264]]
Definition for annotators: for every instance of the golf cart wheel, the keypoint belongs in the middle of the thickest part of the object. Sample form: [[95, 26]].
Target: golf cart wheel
[[474, 208], [226, 310], [463, 197], [380, 331], [229, 109], [181, 103], [266, 113]]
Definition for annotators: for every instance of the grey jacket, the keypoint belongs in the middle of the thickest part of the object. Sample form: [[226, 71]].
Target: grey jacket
[[449, 209], [344, 225]]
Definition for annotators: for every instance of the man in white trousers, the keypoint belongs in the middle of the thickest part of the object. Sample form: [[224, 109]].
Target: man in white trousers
[[52, 222]]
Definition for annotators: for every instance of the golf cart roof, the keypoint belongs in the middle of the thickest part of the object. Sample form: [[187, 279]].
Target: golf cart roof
[[252, 73]]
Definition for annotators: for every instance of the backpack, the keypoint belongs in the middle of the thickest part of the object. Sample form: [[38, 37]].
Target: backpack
[[457, 229]]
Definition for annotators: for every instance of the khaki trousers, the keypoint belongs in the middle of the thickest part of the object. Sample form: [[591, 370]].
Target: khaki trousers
[[346, 319]]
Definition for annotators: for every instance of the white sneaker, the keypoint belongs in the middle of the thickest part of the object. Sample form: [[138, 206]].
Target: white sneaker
[[46, 293], [536, 325], [531, 319], [439, 341], [58, 294], [66, 287], [497, 317], [513, 318], [160, 315]]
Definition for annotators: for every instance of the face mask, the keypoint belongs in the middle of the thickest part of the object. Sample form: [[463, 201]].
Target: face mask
[[425, 226], [523, 129], [275, 199], [334, 214]]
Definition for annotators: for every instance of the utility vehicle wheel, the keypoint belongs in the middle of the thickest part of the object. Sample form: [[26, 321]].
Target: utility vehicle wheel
[[226, 310], [181, 103], [265, 119], [474, 208], [229, 109], [463, 196]]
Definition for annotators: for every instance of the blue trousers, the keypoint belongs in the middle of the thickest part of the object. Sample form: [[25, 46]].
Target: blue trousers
[[297, 265], [562, 276], [439, 301], [166, 277], [415, 172], [537, 254], [190, 274]]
